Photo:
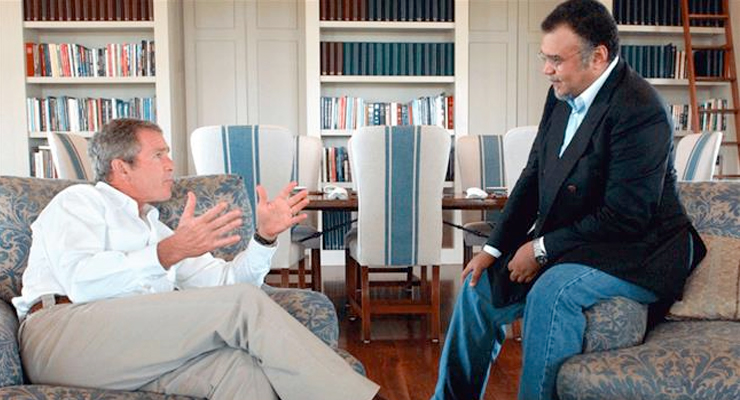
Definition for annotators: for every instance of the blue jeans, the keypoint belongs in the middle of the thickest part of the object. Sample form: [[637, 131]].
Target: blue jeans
[[554, 325]]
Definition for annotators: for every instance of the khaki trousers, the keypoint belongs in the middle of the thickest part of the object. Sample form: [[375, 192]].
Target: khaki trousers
[[230, 342]]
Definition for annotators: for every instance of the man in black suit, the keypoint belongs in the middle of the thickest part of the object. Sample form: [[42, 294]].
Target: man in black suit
[[600, 189]]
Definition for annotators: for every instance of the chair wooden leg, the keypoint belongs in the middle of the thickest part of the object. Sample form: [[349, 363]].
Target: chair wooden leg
[[516, 330], [436, 326], [424, 284], [366, 311], [284, 277], [467, 255], [302, 273], [316, 283], [348, 274]]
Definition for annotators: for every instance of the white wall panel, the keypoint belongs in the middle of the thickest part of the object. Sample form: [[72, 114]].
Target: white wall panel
[[216, 83], [215, 14], [278, 83]]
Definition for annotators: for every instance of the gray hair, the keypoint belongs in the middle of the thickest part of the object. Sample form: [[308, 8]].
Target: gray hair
[[117, 140]]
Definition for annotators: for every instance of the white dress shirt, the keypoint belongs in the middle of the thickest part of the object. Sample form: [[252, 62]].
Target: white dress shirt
[[89, 243], [579, 108]]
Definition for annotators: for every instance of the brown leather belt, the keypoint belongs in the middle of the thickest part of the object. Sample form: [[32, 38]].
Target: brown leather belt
[[58, 299]]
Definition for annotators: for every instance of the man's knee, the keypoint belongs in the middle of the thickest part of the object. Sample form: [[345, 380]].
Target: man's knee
[[558, 286]]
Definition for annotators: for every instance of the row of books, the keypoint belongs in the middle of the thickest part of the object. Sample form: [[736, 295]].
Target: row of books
[[664, 12], [666, 61], [336, 165], [42, 165], [384, 10], [707, 121], [335, 224], [71, 114], [351, 113], [88, 10], [395, 59], [75, 60]]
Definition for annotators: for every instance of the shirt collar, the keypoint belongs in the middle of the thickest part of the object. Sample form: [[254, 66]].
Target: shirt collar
[[583, 101], [122, 200]]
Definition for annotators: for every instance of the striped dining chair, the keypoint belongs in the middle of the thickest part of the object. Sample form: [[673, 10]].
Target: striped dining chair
[[306, 171], [490, 161], [696, 156], [69, 155], [261, 155], [400, 174], [481, 161]]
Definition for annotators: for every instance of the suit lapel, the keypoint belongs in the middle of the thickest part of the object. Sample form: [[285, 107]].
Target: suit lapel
[[557, 169]]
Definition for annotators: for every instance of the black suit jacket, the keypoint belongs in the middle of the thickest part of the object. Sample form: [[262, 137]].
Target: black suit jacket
[[611, 201]]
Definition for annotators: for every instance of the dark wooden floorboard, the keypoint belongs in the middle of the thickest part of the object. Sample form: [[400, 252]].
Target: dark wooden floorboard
[[401, 359]]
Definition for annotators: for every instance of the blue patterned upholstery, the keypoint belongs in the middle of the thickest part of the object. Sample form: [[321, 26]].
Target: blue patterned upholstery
[[678, 360], [22, 199], [614, 324]]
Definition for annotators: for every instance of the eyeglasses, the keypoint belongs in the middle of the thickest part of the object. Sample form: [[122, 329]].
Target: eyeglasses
[[554, 61]]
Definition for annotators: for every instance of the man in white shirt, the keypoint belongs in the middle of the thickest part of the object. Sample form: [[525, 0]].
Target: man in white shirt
[[112, 298], [600, 189]]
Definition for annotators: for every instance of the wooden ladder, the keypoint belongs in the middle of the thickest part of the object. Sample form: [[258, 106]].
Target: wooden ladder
[[729, 73]]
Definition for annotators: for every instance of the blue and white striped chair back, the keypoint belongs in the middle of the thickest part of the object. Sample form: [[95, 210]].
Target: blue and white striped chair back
[[517, 146], [481, 160], [69, 154], [400, 173], [696, 156], [260, 154]]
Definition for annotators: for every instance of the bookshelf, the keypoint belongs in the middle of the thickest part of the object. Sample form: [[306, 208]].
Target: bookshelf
[[401, 85], [675, 89], [391, 83], [162, 84]]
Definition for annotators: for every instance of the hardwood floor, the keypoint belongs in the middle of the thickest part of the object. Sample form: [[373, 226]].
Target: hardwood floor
[[401, 359]]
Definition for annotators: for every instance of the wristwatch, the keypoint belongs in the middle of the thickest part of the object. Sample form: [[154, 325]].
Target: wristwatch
[[540, 254], [261, 240]]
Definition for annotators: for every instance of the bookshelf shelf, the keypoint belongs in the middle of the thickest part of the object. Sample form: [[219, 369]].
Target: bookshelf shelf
[[91, 80], [385, 79], [667, 30], [680, 82], [87, 25], [44, 135], [347, 133], [387, 25]]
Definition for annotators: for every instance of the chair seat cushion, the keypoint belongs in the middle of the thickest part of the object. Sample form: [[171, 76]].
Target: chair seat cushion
[[471, 239], [614, 324], [300, 232], [679, 360]]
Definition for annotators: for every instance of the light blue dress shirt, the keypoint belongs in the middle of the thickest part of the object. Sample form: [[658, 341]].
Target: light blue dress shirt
[[580, 105]]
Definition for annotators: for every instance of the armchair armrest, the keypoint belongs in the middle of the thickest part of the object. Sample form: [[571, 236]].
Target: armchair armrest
[[312, 309], [11, 370], [614, 324]]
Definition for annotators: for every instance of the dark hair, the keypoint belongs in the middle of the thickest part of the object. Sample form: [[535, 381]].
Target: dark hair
[[117, 140], [590, 20]]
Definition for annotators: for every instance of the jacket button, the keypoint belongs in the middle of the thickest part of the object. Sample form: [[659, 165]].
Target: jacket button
[[572, 188]]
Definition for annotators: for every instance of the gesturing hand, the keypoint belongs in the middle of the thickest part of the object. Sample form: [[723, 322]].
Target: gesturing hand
[[477, 265], [523, 266], [195, 236], [273, 217]]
